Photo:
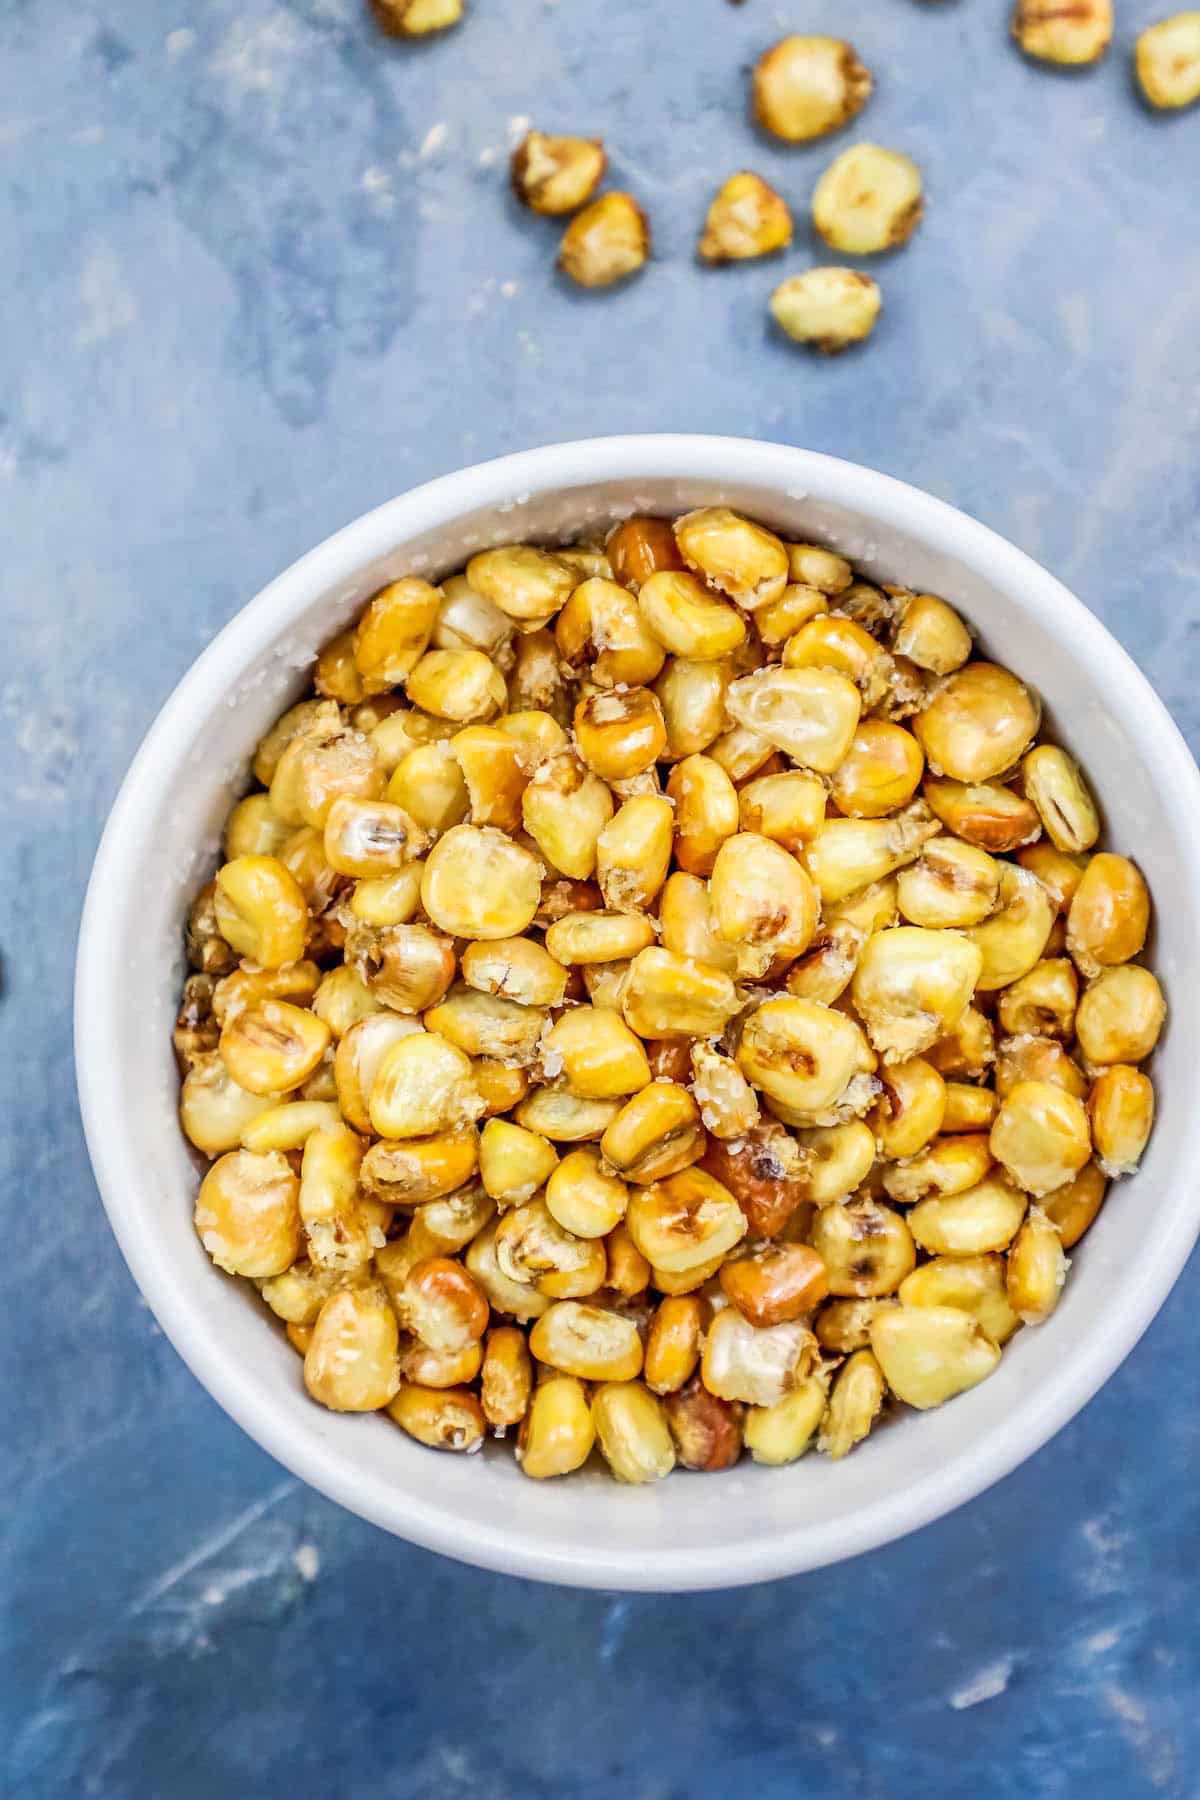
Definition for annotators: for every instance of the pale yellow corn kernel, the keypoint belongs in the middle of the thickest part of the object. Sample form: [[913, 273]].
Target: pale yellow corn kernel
[[849, 854], [805, 87], [1167, 59], [494, 768], [952, 885], [249, 986], [1013, 937], [628, 1270], [468, 621], [910, 1111], [342, 999], [986, 814], [479, 884], [948, 1165], [598, 937], [823, 973], [800, 1054], [854, 1404], [828, 308], [247, 1213], [303, 856], [755, 1364], [685, 916], [393, 631], [314, 772], [388, 899], [810, 714], [213, 1110], [980, 1219], [746, 218], [298, 1294], [524, 582], [869, 908], [692, 697], [408, 967], [867, 1248], [531, 1246], [489, 1025], [252, 829], [1037, 1269], [565, 808], [463, 685], [839, 1159], [728, 1104], [500, 1087], [967, 1049], [742, 753], [932, 635], [556, 174], [979, 723], [1042, 1003], [440, 1418], [557, 1432], [832, 641], [633, 852], [780, 1434], [656, 1134], [730, 553], [1051, 32], [968, 1108], [443, 1227], [606, 242], [1109, 914], [912, 986], [596, 1052], [429, 784], [868, 199], [336, 675], [271, 1047], [1072, 1208], [600, 626], [517, 969], [555, 1112], [589, 1342], [395, 1259], [706, 812], [761, 896], [1120, 1016], [798, 603], [423, 1084], [691, 1281], [518, 1300], [632, 1430], [1059, 873], [812, 566], [420, 1169], [1041, 1136], [342, 1232], [1037, 1059], [789, 809], [392, 739], [686, 619], [880, 772], [929, 1354], [620, 734], [307, 716], [260, 910], [842, 1326], [605, 984], [1054, 783], [1121, 1112], [583, 1197], [352, 1361], [287, 1127], [506, 1381], [665, 995], [684, 1222], [673, 1342], [422, 1367], [973, 1284]]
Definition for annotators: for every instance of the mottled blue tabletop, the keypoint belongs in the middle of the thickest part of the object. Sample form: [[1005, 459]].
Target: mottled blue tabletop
[[260, 272]]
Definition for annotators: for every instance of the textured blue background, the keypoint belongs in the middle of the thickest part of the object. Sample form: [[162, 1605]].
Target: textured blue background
[[260, 271]]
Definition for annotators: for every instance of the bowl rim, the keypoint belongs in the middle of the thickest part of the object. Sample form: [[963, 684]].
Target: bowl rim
[[180, 1311]]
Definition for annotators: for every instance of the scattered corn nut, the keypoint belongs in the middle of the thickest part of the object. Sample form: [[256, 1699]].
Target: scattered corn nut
[[830, 309], [423, 1367], [633, 852], [554, 174], [968, 1108], [789, 809], [565, 1117], [420, 1169], [525, 583], [416, 18], [513, 1162], [259, 909], [272, 1047], [656, 1134], [1042, 1003], [1050, 32], [1167, 60], [692, 693], [805, 87], [746, 218], [1109, 914], [620, 734], [440, 1418], [519, 1300], [967, 1049], [628, 1270], [1055, 785], [213, 1110], [1121, 1113], [854, 1404], [428, 782], [606, 242], [706, 812], [929, 1354], [1057, 872], [495, 768], [686, 619], [868, 199], [973, 1284], [880, 772], [565, 808], [602, 626], [479, 884], [931, 634], [948, 1165]]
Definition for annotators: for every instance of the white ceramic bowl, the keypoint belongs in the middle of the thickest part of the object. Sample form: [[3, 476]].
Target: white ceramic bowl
[[690, 1531]]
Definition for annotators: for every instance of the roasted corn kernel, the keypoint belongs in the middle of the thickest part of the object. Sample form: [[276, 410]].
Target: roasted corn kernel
[[982, 1218], [805, 87], [867, 1249], [973, 1284], [631, 1427], [556, 174], [1051, 32], [983, 813], [1168, 61], [854, 1404], [1109, 914], [633, 852], [828, 308], [746, 218], [606, 242], [558, 1431], [929, 1354], [868, 199], [758, 1365], [656, 1133], [1121, 1112]]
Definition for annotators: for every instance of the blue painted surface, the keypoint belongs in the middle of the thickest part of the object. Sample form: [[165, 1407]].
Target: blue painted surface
[[261, 272]]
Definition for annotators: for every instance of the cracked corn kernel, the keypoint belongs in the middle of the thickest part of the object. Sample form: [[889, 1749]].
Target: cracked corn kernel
[[532, 1246], [910, 1110], [807, 86], [506, 1378], [556, 174], [707, 1431], [868, 199], [746, 218], [601, 631], [755, 1364], [272, 1047], [606, 242], [633, 852], [830, 309], [1168, 61], [1051, 31]]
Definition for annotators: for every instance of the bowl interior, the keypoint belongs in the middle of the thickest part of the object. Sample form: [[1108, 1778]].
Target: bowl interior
[[163, 840]]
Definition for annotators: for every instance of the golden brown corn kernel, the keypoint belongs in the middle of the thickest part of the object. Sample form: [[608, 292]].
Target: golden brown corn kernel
[[479, 884], [980, 1219], [389, 899], [1121, 1112], [462, 685], [707, 1431], [598, 937], [500, 1088], [686, 619], [249, 986], [1072, 1207], [807, 86], [730, 553], [706, 812], [315, 771], [308, 716], [583, 1197], [489, 1025], [948, 1165], [565, 808], [440, 1418], [600, 627], [1013, 937], [880, 772], [393, 632], [553, 174], [352, 1361], [1051, 32], [867, 1249], [639, 547], [845, 1325], [1041, 1136], [442, 1304], [287, 1127], [685, 917], [423, 1084], [832, 641], [755, 1364], [911, 1109], [691, 1281], [849, 854], [597, 1054], [443, 1227], [416, 18], [868, 199], [854, 1404], [789, 808], [655, 1134], [494, 768], [1168, 61], [692, 696], [968, 1108], [967, 1049], [839, 1159], [1059, 873], [558, 1431], [780, 1434], [516, 968], [420, 1169], [628, 1270], [932, 635], [1120, 1016], [798, 603], [1042, 1003], [620, 734], [973, 1284], [746, 218], [1055, 785], [247, 1213], [1037, 1059], [912, 986], [764, 1172], [606, 242], [259, 909], [1037, 1268], [982, 813], [952, 885], [513, 1162], [336, 676], [762, 897], [1109, 914], [800, 1054], [588, 1342], [507, 1377], [673, 1343], [728, 1104], [271, 1047], [810, 714], [633, 852], [742, 753], [525, 583], [519, 1300], [666, 995], [775, 1283], [828, 308], [408, 967], [929, 1354], [684, 1221], [631, 1427], [423, 1367], [978, 723]]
